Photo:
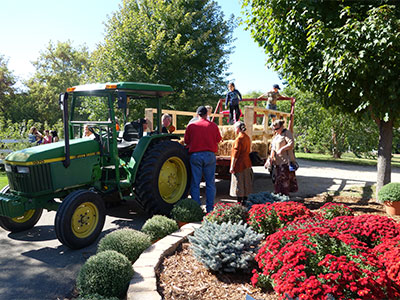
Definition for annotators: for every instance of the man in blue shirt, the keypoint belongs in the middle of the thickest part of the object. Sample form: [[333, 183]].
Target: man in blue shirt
[[232, 98]]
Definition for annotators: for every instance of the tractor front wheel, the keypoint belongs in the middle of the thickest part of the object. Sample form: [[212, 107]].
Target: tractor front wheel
[[21, 223], [80, 219], [163, 177]]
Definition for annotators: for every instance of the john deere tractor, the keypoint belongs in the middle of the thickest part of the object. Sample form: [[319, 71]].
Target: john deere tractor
[[77, 176]]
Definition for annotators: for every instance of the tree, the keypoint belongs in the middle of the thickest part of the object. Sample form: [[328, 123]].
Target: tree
[[58, 67], [329, 130], [7, 80], [346, 52], [184, 43]]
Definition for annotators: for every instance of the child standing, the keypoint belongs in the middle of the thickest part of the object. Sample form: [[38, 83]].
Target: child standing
[[232, 98]]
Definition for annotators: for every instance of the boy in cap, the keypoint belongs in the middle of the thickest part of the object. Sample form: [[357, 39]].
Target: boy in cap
[[202, 138], [272, 97]]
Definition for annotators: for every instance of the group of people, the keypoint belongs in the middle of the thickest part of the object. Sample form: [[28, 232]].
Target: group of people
[[37, 138], [202, 138]]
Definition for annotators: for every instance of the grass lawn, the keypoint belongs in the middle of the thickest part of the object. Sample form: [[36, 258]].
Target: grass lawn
[[3, 180], [348, 158]]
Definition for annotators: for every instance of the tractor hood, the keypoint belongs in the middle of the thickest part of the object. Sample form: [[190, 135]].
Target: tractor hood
[[53, 152]]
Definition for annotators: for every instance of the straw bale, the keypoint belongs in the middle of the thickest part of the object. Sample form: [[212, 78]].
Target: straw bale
[[225, 148], [261, 147], [227, 132]]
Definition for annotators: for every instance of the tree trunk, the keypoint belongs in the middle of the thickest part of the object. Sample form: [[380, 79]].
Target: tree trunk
[[384, 153]]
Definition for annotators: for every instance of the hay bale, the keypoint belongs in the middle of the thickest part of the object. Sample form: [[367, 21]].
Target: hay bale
[[261, 147], [227, 132], [225, 148]]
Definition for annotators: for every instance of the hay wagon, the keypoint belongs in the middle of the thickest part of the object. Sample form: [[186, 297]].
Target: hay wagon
[[253, 115]]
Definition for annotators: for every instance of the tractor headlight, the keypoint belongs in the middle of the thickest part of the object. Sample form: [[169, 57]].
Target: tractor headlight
[[22, 170], [7, 168]]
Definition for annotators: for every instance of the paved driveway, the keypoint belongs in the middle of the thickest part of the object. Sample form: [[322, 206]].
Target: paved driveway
[[35, 266]]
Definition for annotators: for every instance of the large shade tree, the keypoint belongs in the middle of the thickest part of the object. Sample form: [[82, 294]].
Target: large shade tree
[[346, 52], [7, 81], [183, 43], [59, 66]]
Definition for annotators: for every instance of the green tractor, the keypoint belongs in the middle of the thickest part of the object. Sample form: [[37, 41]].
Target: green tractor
[[77, 176]]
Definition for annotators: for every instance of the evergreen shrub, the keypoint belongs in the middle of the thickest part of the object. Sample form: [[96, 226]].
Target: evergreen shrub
[[225, 247], [227, 212], [159, 226], [389, 192], [187, 210], [128, 242], [265, 197], [107, 273], [333, 210]]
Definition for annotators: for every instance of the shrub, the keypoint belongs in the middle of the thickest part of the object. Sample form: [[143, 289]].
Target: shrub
[[225, 247], [267, 218], [389, 192], [107, 273], [187, 210], [159, 226], [314, 262], [265, 197], [97, 297], [227, 212], [333, 210], [128, 242]]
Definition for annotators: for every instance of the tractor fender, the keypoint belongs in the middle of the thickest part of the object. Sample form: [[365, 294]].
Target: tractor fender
[[141, 149]]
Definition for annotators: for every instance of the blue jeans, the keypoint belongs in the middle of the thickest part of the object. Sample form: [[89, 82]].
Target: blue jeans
[[203, 163]]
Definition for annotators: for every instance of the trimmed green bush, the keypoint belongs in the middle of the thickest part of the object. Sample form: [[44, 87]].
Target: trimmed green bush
[[187, 210], [97, 297], [225, 247], [389, 192], [159, 226], [107, 273], [128, 242]]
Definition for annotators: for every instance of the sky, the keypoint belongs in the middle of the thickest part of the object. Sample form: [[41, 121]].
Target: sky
[[27, 27]]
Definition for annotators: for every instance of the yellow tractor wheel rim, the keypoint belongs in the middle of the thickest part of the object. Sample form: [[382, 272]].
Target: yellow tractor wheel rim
[[25, 217], [84, 220], [172, 180]]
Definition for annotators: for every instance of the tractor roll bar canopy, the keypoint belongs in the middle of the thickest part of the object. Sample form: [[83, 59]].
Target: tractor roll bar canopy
[[131, 88]]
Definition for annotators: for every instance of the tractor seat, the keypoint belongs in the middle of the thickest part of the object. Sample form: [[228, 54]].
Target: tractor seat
[[124, 145], [131, 131], [130, 136]]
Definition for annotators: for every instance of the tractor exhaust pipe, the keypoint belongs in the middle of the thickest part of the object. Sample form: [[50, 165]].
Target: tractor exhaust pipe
[[63, 101]]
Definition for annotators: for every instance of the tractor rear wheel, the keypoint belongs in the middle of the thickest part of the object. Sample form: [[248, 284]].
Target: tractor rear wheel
[[163, 177], [80, 219], [21, 223]]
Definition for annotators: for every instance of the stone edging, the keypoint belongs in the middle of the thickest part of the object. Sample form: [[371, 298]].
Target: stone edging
[[144, 282]]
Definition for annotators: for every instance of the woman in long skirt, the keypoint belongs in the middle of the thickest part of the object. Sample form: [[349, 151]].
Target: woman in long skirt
[[242, 174]]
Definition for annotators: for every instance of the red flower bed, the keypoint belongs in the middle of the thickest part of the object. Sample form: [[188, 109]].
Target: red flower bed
[[267, 218], [332, 210], [227, 212], [313, 258]]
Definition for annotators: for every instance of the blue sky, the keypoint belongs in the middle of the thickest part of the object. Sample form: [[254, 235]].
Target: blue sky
[[29, 25]]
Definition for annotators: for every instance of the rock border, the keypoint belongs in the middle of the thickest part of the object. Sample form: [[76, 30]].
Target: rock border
[[143, 285]]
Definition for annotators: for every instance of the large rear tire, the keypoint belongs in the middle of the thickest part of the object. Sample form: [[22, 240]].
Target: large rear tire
[[21, 223], [80, 219], [163, 177]]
